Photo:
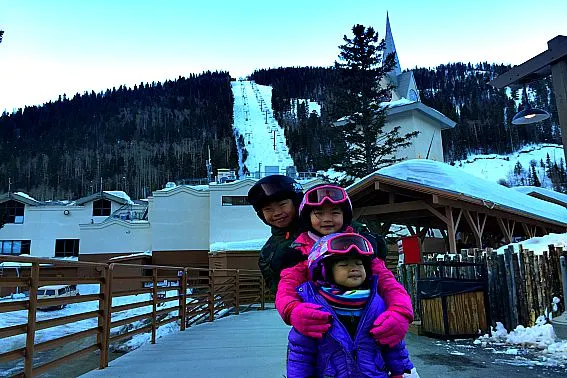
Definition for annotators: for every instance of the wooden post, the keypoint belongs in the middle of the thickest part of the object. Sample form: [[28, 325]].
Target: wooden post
[[102, 335], [559, 79], [154, 305], [107, 314], [183, 299], [262, 293], [520, 288], [451, 229], [211, 295], [502, 289], [511, 284], [534, 313], [237, 292], [32, 314], [528, 263]]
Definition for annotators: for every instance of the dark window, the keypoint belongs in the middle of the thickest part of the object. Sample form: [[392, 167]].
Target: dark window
[[235, 201], [12, 211], [101, 208], [67, 248], [15, 247]]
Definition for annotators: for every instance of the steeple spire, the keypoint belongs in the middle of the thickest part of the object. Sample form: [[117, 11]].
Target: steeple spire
[[391, 48]]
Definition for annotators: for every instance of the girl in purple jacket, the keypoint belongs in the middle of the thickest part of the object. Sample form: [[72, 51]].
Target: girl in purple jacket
[[340, 282]]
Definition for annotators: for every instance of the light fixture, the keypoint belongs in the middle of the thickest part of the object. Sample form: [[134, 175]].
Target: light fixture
[[529, 115]]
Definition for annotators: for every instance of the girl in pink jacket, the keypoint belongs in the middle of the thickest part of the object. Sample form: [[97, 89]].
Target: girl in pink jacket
[[327, 209]]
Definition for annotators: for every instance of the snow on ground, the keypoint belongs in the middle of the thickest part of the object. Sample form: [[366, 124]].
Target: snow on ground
[[254, 120], [539, 342], [312, 106], [496, 167], [21, 317]]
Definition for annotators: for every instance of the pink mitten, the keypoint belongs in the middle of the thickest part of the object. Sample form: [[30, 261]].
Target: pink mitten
[[309, 321], [389, 328]]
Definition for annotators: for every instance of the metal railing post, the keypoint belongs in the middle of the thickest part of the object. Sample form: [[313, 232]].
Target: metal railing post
[[183, 299], [237, 292], [154, 305], [211, 295], [32, 314]]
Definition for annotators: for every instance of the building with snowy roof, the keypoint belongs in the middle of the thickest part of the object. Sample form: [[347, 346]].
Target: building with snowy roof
[[425, 195], [52, 228], [406, 110], [179, 225]]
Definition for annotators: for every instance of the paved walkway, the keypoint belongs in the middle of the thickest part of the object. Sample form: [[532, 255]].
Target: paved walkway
[[252, 344]]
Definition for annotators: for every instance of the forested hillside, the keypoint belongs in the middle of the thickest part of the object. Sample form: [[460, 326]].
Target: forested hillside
[[458, 90], [135, 139]]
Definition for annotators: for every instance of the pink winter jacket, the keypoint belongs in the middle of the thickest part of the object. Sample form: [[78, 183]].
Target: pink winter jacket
[[395, 295]]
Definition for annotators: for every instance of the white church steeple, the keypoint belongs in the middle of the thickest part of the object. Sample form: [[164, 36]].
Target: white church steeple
[[391, 48]]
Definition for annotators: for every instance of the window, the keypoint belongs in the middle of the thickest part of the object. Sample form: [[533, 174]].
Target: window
[[67, 248], [61, 291], [101, 208], [235, 201], [13, 211], [15, 247]]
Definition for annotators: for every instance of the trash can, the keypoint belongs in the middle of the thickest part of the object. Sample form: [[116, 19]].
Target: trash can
[[452, 308]]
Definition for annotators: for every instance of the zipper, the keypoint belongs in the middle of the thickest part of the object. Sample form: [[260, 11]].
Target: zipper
[[328, 308]]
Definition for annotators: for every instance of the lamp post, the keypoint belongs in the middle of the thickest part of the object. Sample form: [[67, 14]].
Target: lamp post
[[552, 61]]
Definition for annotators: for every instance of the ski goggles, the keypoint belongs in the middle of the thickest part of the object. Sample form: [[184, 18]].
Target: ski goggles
[[347, 242], [333, 194]]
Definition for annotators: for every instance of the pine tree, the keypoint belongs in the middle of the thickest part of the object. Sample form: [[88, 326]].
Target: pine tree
[[362, 68], [534, 179], [518, 169]]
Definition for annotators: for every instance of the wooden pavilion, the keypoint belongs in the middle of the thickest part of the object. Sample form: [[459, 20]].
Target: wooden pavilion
[[386, 199]]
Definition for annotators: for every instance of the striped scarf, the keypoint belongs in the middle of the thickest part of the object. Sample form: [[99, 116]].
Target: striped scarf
[[345, 302]]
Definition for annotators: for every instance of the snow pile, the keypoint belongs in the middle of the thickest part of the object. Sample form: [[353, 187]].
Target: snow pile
[[541, 338], [538, 244], [120, 194], [450, 179], [245, 245]]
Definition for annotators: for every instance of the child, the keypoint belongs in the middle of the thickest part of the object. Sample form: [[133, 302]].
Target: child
[[325, 210], [275, 199], [340, 282]]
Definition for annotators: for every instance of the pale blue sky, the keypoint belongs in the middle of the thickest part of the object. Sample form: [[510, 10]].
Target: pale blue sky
[[58, 46]]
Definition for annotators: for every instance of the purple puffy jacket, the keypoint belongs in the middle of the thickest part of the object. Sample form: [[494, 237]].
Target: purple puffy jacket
[[336, 354]]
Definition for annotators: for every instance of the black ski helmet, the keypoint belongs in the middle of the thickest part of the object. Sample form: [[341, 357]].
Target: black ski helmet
[[274, 188]]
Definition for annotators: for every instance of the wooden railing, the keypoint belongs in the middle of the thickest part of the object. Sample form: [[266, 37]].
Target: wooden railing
[[169, 294]]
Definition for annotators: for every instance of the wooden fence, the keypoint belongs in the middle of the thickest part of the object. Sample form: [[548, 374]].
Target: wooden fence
[[176, 294], [521, 285]]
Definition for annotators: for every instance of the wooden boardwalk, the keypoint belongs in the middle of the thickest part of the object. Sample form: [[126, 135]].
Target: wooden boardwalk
[[252, 344]]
